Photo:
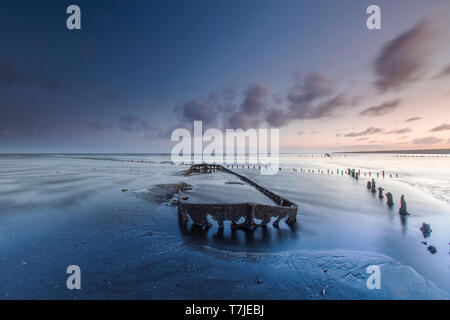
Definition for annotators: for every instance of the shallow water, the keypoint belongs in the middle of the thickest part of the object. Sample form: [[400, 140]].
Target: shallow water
[[428, 172], [56, 211]]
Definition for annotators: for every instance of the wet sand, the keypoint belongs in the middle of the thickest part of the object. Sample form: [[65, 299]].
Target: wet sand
[[56, 212]]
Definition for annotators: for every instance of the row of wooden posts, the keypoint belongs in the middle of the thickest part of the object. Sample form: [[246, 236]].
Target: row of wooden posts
[[352, 172], [355, 174], [371, 185]]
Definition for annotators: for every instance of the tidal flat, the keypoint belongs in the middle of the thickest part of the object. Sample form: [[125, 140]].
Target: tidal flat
[[112, 220]]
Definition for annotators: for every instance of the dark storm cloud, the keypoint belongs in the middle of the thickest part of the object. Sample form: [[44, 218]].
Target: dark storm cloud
[[278, 99], [398, 131], [442, 127], [199, 109], [314, 86], [278, 117], [10, 75], [381, 109], [403, 58], [444, 72], [313, 98], [255, 101], [309, 98], [327, 108], [427, 140], [251, 113], [368, 131], [210, 109], [413, 119]]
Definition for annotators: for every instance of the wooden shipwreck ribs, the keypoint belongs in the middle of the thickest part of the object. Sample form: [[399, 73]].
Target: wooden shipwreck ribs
[[233, 212]]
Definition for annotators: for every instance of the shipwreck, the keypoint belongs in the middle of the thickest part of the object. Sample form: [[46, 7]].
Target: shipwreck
[[235, 212]]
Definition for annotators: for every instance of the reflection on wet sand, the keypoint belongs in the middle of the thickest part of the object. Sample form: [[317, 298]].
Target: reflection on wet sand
[[236, 238], [404, 223]]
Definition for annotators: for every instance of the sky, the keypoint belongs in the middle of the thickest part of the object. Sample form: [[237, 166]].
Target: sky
[[137, 70]]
